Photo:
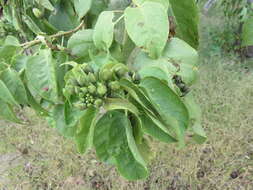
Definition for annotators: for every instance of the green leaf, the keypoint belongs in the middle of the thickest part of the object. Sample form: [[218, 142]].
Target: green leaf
[[15, 85], [60, 119], [7, 52], [170, 107], [35, 105], [111, 143], [46, 4], [81, 42], [117, 104], [149, 127], [187, 18], [82, 7], [103, 31], [247, 32], [31, 24], [84, 137], [5, 94], [132, 145], [148, 27], [41, 75], [195, 118], [7, 113], [178, 58], [137, 95], [64, 17], [165, 3]]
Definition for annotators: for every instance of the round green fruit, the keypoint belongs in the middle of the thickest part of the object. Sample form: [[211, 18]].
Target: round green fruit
[[114, 85], [101, 89]]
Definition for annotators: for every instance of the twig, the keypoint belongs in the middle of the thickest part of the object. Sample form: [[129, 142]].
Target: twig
[[57, 35]]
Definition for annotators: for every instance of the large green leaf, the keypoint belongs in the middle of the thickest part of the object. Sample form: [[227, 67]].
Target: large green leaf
[[187, 18], [15, 85], [170, 107], [81, 43], [7, 113], [5, 94], [103, 31], [112, 145], [84, 137], [82, 7], [148, 27], [41, 75], [178, 57], [247, 32]]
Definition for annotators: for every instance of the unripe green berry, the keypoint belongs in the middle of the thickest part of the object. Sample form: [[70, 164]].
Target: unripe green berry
[[92, 89], [105, 75], [114, 85], [89, 105], [98, 103], [101, 89], [84, 90]]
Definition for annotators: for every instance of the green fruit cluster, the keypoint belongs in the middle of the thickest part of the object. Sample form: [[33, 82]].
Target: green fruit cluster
[[89, 88]]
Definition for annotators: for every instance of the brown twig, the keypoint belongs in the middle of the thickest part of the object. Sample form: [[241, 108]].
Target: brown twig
[[57, 35]]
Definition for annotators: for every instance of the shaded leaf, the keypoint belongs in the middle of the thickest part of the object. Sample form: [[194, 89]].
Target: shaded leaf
[[110, 141], [187, 18]]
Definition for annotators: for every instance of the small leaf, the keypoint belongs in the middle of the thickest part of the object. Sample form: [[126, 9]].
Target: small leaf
[[82, 7], [84, 137], [103, 31], [148, 27]]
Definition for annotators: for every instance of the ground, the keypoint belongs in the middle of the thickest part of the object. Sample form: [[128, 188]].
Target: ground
[[36, 157]]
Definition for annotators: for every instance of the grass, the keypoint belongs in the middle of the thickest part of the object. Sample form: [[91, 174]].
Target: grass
[[40, 159]]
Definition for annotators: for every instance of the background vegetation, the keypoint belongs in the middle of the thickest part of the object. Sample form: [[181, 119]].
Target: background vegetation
[[35, 157]]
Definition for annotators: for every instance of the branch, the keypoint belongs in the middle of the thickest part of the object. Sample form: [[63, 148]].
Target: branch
[[57, 35]]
